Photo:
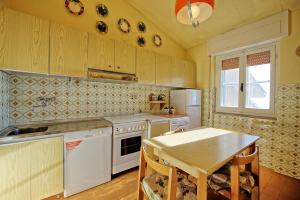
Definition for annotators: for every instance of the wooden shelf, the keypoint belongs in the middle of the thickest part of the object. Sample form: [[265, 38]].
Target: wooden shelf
[[160, 103]]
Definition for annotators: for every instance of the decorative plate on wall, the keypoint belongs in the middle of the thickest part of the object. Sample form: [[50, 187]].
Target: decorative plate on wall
[[102, 27], [102, 10], [75, 7], [141, 41], [298, 51], [124, 25], [141, 27], [157, 40]]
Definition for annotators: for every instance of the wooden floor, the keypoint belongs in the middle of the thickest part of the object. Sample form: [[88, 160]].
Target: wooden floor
[[273, 187]]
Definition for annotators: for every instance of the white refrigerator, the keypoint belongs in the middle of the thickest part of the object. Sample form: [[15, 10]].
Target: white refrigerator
[[187, 102]]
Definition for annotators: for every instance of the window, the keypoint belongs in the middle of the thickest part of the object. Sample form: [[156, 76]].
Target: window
[[246, 81]]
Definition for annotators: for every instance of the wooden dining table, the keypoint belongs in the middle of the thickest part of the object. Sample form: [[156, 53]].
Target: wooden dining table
[[200, 152]]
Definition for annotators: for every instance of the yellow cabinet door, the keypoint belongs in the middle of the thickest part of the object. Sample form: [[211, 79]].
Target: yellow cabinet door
[[68, 51], [178, 72], [190, 75], [24, 42], [46, 168], [125, 56], [163, 70], [101, 53], [145, 66], [15, 171]]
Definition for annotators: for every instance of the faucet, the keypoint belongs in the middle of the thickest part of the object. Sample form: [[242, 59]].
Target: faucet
[[44, 101]]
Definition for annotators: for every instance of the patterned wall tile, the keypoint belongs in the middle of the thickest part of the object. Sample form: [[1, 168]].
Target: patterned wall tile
[[4, 100], [75, 98]]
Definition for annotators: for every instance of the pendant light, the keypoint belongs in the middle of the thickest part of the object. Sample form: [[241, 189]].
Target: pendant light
[[193, 12]]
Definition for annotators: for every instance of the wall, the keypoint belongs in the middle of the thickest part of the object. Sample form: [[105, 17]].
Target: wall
[[290, 62], [75, 99], [55, 10], [280, 138], [4, 100]]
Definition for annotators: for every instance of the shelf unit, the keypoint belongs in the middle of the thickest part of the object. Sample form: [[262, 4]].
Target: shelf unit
[[160, 103]]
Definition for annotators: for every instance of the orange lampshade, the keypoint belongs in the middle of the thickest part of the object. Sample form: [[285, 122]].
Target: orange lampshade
[[199, 11]]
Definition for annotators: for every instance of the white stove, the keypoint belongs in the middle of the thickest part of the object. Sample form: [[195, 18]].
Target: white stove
[[128, 132]]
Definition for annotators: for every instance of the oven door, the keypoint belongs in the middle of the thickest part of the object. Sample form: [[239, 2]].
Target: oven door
[[126, 151]]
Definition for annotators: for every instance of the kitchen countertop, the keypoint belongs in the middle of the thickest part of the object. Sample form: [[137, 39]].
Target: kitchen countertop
[[171, 116], [55, 129]]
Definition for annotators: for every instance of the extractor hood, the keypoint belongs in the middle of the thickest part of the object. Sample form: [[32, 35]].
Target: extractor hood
[[110, 76]]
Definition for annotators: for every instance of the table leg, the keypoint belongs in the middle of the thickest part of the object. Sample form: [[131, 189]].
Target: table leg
[[202, 187]]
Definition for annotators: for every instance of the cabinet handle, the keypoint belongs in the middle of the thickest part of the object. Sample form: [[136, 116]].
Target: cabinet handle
[[242, 87], [109, 65], [118, 67]]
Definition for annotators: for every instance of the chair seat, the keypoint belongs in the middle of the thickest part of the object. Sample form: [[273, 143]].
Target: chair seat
[[156, 187], [221, 180]]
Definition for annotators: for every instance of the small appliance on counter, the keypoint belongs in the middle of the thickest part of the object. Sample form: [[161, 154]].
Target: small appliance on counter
[[187, 102]]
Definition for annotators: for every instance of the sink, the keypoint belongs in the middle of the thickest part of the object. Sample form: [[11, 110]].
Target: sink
[[27, 130]]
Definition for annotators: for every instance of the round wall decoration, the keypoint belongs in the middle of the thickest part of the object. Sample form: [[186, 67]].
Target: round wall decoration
[[157, 40], [102, 10], [141, 41], [124, 25], [75, 7], [141, 27], [102, 27], [298, 51]]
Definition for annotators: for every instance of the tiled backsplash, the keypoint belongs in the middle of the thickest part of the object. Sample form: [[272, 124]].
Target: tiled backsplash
[[70, 99], [280, 138], [4, 100]]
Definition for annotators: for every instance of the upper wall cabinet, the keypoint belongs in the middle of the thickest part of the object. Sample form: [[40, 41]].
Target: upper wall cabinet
[[101, 53], [125, 57], [163, 70], [145, 66], [178, 72], [190, 75], [68, 51], [24, 42]]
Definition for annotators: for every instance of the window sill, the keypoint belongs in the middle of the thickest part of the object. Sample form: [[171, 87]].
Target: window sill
[[248, 115]]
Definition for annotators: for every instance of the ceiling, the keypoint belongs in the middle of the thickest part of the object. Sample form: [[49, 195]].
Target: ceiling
[[228, 15]]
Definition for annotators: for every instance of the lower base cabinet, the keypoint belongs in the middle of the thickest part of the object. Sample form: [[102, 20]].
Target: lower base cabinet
[[31, 170]]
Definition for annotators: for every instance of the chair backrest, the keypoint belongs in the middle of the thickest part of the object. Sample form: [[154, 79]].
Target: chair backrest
[[243, 160], [156, 166], [177, 130], [171, 172]]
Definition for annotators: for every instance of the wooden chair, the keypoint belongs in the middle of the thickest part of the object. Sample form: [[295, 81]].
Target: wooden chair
[[238, 175], [153, 186], [177, 130]]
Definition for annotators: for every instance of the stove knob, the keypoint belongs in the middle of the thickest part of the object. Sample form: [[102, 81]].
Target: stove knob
[[129, 129], [121, 130]]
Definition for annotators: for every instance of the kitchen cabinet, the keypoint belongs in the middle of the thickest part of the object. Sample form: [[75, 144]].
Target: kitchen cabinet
[[68, 51], [101, 53], [46, 168], [125, 58], [24, 42], [31, 170], [15, 171], [163, 70], [190, 75], [178, 72], [145, 66]]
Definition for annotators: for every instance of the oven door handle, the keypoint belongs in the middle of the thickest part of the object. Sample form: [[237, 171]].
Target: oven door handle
[[127, 135]]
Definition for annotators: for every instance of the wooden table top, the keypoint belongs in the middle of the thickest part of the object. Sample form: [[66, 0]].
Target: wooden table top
[[201, 150]]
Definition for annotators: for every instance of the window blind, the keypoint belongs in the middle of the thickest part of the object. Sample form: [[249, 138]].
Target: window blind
[[259, 58], [230, 63]]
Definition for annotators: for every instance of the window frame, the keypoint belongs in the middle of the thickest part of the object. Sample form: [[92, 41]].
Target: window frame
[[242, 54]]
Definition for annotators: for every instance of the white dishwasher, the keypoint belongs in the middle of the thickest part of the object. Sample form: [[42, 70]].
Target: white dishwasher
[[87, 159]]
